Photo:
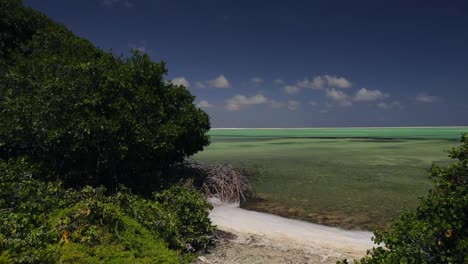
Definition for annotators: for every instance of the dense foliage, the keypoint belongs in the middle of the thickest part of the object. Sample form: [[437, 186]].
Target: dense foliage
[[437, 231], [86, 116], [43, 222], [77, 125]]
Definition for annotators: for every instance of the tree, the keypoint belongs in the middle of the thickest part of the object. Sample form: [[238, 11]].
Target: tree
[[437, 231], [86, 116]]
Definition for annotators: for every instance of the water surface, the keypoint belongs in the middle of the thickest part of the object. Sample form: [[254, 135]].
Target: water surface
[[356, 178]]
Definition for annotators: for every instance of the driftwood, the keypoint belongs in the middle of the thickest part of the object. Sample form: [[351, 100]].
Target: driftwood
[[225, 182]]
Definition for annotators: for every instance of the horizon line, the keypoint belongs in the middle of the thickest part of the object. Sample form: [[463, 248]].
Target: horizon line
[[227, 128]]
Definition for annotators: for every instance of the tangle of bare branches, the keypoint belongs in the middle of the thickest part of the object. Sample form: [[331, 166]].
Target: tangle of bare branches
[[223, 181]]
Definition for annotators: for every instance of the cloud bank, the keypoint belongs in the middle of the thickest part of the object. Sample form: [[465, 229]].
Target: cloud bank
[[220, 82], [365, 95], [338, 97], [322, 81], [318, 82], [235, 103], [112, 3]]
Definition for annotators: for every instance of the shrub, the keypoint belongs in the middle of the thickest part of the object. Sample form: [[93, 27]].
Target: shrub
[[96, 232], [86, 116], [437, 231], [43, 222], [191, 212], [179, 215], [24, 207]]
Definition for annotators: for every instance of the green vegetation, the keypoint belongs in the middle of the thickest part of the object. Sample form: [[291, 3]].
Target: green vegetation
[[437, 231], [43, 222], [87, 116], [86, 139], [358, 183], [88, 144]]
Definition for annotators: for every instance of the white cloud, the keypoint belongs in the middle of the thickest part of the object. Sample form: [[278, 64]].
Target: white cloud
[[392, 105], [204, 104], [111, 3], [181, 81], [218, 82], [291, 89], [278, 82], [316, 83], [340, 82], [339, 97], [313, 103], [293, 104], [236, 102], [365, 95], [256, 81], [319, 82], [425, 98], [336, 95]]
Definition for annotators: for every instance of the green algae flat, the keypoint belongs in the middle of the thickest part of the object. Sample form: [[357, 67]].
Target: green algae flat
[[377, 132], [356, 178]]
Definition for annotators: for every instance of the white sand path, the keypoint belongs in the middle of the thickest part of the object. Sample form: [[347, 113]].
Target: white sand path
[[320, 240]]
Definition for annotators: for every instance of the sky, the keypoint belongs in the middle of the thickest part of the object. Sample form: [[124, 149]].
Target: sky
[[329, 63]]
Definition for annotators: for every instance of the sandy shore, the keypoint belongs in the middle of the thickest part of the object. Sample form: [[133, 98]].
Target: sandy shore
[[264, 238]]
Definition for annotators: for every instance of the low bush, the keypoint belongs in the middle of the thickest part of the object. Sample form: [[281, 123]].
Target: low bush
[[191, 214], [42, 222], [97, 232]]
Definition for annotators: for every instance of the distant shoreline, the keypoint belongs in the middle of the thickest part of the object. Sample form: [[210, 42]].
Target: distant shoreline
[[276, 128]]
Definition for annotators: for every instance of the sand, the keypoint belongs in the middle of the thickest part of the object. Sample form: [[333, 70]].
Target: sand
[[265, 238]]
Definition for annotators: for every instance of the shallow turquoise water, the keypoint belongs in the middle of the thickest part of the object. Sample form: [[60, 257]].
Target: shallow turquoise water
[[348, 177]]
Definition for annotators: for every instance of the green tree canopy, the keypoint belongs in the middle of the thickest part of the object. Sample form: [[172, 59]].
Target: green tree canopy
[[87, 116]]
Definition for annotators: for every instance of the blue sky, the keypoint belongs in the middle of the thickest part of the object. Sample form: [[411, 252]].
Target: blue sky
[[295, 63]]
